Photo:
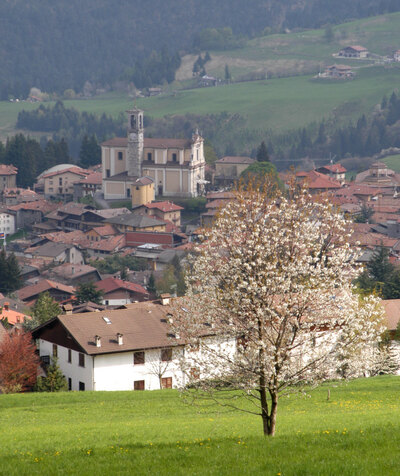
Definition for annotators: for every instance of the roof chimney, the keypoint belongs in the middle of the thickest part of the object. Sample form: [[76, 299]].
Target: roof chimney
[[97, 340], [165, 298], [119, 338]]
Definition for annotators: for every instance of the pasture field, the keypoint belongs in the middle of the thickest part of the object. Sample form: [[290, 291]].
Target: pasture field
[[356, 432], [393, 162], [278, 105], [304, 51]]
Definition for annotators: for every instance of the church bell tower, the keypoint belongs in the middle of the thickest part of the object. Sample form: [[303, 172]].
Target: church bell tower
[[135, 142]]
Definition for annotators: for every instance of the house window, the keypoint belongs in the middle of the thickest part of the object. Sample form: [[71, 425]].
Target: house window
[[60, 181], [107, 173], [69, 384], [174, 158], [81, 360], [166, 355], [138, 385], [149, 156], [120, 156], [166, 382], [138, 358], [69, 355], [81, 387], [55, 350]]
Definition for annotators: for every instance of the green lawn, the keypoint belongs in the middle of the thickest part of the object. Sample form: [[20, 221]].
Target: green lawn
[[393, 162], [357, 432]]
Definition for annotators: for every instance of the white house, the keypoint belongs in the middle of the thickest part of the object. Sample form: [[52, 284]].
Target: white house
[[7, 222], [125, 349]]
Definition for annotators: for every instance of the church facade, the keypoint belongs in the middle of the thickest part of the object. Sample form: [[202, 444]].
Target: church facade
[[176, 166]]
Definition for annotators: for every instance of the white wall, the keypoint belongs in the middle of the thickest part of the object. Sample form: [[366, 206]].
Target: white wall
[[7, 223], [71, 370], [118, 372]]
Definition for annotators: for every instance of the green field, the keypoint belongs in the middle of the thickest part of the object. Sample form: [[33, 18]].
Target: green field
[[393, 162], [305, 50], [278, 104], [356, 432]]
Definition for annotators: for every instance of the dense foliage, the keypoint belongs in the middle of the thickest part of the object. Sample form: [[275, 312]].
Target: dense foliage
[[54, 381], [10, 273], [115, 263], [71, 125], [44, 309], [55, 46], [19, 362]]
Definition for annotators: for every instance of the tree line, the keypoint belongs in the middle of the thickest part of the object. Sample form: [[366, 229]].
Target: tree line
[[71, 125], [55, 46]]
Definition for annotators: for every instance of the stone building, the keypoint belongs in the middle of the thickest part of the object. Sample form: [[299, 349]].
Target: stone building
[[175, 166]]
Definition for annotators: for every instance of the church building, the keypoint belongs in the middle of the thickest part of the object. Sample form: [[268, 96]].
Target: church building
[[174, 167]]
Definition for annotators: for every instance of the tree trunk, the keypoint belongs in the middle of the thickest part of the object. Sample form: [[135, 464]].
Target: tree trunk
[[268, 418]]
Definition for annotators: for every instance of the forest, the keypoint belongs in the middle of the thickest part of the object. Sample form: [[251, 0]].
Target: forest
[[57, 45]]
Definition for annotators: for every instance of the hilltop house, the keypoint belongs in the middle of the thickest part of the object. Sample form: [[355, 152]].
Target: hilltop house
[[173, 167], [355, 51]]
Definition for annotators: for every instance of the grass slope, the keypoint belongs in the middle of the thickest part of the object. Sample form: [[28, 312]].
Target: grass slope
[[356, 432], [276, 104], [303, 51]]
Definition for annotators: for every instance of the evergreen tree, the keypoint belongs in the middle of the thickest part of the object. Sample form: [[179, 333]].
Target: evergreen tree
[[44, 309], [151, 285], [10, 273], [89, 292], [90, 152], [262, 153], [54, 380], [227, 73]]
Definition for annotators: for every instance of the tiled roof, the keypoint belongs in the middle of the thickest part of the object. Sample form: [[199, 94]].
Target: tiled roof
[[13, 317], [8, 169], [106, 230], [235, 160], [112, 284], [42, 286], [135, 220], [316, 181], [72, 170], [164, 206], [336, 168], [69, 270], [112, 212], [41, 205], [154, 143], [79, 238], [94, 178], [143, 326]]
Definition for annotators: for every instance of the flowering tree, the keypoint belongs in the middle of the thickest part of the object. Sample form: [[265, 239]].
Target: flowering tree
[[269, 302], [19, 363]]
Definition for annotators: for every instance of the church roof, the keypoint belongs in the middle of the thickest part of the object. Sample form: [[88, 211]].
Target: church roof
[[154, 143]]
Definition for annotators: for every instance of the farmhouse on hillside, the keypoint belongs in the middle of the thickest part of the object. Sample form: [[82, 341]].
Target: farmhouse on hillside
[[355, 51], [173, 167]]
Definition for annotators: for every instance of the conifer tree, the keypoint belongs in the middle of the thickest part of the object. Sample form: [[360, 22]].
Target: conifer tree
[[54, 380], [262, 153]]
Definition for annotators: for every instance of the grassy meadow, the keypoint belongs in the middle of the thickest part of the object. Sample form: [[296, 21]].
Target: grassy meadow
[[393, 162], [356, 432]]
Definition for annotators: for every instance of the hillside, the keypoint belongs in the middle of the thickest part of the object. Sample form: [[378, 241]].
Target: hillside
[[356, 432], [56, 45]]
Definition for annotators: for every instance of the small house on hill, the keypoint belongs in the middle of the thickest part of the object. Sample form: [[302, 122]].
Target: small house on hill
[[338, 71], [355, 51], [336, 171]]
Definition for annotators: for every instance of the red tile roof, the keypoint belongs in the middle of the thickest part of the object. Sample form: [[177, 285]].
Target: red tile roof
[[8, 170], [94, 178], [73, 170], [109, 285], [336, 168], [41, 287], [42, 205], [164, 206], [318, 181]]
